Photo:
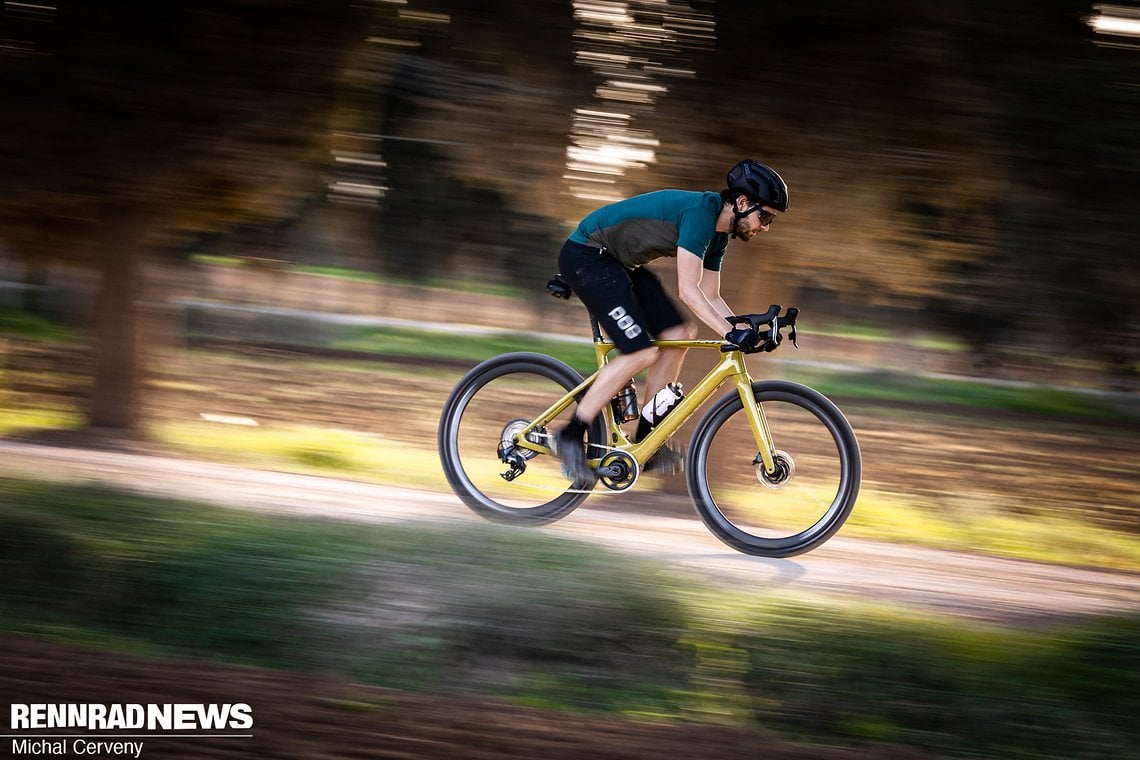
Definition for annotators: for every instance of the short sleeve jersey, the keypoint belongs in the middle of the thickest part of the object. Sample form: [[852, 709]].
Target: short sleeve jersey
[[653, 225]]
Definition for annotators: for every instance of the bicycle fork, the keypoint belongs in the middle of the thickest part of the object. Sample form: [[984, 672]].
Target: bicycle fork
[[731, 368], [757, 422]]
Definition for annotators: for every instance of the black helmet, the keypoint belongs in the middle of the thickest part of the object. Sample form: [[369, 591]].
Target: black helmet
[[760, 183]]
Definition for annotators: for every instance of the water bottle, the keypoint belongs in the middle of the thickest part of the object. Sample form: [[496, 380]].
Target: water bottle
[[662, 403], [625, 403]]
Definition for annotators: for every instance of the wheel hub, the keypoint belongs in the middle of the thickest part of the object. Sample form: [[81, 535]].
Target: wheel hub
[[508, 440], [785, 470]]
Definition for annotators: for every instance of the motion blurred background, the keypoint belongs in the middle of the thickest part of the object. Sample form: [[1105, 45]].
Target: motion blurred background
[[968, 170], [276, 232]]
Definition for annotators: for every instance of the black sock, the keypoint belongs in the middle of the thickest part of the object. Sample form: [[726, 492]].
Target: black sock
[[643, 428]]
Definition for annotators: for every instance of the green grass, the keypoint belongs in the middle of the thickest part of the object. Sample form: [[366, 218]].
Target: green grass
[[869, 386], [311, 450], [426, 344], [173, 576], [442, 283], [14, 421], [388, 604], [362, 275], [26, 324], [532, 618], [888, 335], [894, 386], [880, 675], [398, 342], [977, 526]]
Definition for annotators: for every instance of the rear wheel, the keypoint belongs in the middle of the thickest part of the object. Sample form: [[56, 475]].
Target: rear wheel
[[800, 505], [478, 432]]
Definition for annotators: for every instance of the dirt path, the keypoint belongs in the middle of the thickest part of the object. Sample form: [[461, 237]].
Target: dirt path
[[968, 585]]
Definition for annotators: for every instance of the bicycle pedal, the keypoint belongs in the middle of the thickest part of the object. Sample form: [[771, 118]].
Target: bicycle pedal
[[665, 461]]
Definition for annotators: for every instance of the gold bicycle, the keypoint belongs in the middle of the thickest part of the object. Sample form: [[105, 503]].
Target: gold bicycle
[[773, 467]]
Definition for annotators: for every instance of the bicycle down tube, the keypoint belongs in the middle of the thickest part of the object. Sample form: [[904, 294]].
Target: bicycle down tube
[[731, 367]]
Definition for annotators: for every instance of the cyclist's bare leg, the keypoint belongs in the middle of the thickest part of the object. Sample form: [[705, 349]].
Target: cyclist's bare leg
[[667, 368], [612, 377]]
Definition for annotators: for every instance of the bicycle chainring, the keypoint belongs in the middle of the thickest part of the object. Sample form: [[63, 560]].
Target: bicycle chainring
[[618, 471]]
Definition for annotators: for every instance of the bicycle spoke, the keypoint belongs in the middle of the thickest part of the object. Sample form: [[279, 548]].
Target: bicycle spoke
[[791, 507], [482, 420], [511, 397], [780, 514]]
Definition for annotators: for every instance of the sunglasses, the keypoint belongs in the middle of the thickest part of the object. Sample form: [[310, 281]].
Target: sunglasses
[[766, 217]]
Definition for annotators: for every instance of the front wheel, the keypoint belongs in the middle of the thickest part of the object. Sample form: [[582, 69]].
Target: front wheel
[[809, 496], [482, 417]]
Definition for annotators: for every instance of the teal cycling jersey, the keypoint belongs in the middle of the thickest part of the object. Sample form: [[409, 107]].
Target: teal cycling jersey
[[653, 225]]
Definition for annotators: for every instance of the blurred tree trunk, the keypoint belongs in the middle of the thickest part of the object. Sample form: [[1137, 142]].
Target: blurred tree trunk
[[118, 346]]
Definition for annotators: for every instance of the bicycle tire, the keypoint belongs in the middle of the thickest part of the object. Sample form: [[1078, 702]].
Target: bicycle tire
[[729, 490], [492, 395]]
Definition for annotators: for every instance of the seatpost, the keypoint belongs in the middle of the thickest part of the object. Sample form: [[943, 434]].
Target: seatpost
[[595, 328]]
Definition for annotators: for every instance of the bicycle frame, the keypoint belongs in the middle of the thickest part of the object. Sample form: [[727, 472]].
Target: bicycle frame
[[731, 367]]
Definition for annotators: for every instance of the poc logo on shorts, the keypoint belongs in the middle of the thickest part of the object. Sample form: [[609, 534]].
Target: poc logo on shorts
[[625, 322]]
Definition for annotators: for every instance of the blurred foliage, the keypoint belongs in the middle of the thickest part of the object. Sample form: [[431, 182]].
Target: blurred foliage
[[951, 689], [972, 162], [34, 325], [163, 118], [968, 165], [414, 606], [557, 623], [129, 125]]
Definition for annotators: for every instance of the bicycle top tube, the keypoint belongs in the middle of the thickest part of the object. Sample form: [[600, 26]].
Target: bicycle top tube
[[606, 346]]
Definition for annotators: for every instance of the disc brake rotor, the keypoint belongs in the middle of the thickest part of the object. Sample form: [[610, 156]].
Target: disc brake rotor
[[785, 470]]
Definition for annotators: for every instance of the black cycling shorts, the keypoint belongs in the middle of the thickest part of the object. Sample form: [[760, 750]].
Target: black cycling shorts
[[631, 305]]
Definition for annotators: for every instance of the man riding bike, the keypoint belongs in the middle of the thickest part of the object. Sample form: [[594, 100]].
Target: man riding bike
[[602, 262]]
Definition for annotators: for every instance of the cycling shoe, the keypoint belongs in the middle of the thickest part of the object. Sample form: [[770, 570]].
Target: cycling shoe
[[572, 453]]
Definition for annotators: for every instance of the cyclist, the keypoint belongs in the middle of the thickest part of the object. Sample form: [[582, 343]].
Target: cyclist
[[602, 262]]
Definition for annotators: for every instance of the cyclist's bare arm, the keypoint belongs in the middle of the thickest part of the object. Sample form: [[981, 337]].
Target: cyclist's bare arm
[[699, 290], [710, 285]]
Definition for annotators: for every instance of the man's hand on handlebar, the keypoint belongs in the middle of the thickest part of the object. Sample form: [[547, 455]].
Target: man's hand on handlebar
[[744, 338], [763, 330]]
